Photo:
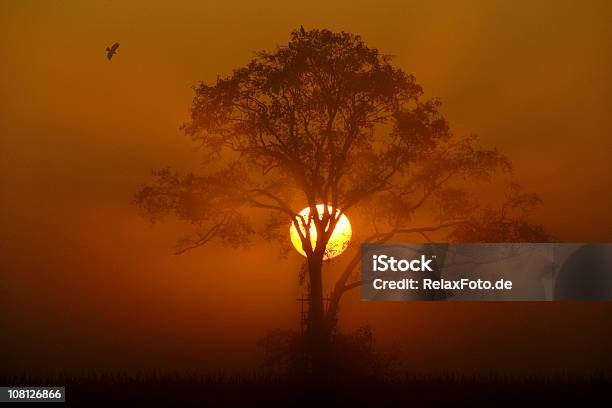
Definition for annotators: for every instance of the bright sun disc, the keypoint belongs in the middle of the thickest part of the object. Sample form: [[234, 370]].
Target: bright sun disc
[[338, 241]]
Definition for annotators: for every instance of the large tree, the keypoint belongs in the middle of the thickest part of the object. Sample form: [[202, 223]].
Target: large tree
[[328, 120]]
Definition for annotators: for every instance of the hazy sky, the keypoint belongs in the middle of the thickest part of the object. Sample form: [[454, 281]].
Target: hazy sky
[[83, 276]]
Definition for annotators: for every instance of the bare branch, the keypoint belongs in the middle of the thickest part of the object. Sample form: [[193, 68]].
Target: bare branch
[[203, 239], [341, 286]]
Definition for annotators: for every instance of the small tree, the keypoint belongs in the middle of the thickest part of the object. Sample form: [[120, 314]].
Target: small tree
[[328, 120]]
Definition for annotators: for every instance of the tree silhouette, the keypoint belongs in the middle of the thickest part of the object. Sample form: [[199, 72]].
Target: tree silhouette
[[327, 120]]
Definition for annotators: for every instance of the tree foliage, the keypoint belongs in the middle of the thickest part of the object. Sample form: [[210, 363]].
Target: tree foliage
[[327, 119]]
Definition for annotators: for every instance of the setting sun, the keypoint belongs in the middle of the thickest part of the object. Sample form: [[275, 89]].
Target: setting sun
[[338, 242]]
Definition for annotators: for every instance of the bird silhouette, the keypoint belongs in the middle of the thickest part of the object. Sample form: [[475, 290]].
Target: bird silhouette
[[112, 50], [302, 29]]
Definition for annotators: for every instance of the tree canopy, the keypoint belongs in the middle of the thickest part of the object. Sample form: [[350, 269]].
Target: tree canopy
[[327, 119]]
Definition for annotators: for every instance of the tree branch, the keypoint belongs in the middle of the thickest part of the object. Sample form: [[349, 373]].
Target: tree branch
[[208, 235], [341, 286]]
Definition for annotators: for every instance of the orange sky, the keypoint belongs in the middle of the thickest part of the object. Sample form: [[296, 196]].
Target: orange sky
[[82, 275]]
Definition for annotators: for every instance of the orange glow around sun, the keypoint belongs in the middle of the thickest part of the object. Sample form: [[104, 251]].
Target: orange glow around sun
[[338, 242]]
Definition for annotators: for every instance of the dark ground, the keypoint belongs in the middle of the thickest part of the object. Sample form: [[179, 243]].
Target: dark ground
[[256, 390]]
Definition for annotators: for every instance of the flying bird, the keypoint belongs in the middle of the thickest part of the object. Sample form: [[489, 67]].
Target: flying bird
[[112, 50]]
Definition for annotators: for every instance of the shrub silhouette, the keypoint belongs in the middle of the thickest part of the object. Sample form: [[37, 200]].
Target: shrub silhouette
[[353, 356]]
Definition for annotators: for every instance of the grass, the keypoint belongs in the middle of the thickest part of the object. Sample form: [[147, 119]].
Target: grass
[[258, 389]]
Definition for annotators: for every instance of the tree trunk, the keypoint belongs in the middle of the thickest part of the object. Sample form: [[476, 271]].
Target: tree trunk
[[318, 334]]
